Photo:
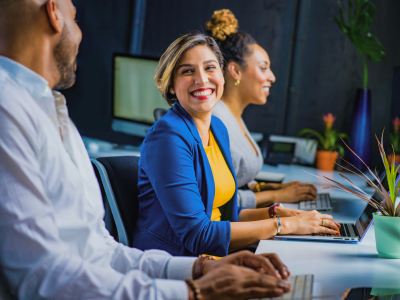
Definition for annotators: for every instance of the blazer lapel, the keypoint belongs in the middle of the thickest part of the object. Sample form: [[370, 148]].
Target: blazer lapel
[[228, 210], [205, 179]]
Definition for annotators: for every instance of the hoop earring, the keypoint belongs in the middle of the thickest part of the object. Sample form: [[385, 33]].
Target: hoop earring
[[237, 82]]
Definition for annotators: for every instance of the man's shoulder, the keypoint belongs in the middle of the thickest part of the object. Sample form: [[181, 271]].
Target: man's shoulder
[[15, 103], [10, 91]]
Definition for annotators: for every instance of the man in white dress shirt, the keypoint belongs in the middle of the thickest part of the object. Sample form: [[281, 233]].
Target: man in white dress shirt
[[53, 242]]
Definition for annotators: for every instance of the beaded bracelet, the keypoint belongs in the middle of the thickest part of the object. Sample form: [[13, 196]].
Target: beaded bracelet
[[195, 289]]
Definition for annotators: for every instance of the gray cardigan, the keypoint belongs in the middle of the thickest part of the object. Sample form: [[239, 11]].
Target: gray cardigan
[[245, 162]]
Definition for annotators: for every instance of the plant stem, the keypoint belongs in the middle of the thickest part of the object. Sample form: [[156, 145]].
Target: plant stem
[[365, 83]]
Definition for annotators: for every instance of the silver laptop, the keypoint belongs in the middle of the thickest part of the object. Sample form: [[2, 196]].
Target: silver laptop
[[323, 202], [349, 232], [302, 286]]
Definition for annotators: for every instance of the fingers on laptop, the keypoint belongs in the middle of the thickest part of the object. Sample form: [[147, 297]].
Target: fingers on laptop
[[329, 226], [324, 223], [261, 263], [259, 285], [235, 282], [279, 266]]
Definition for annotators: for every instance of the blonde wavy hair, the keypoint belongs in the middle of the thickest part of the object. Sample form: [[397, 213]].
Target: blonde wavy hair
[[168, 61], [222, 24]]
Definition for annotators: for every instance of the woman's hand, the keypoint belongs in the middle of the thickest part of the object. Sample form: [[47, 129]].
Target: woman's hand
[[288, 212], [235, 282], [295, 191], [268, 263], [308, 223]]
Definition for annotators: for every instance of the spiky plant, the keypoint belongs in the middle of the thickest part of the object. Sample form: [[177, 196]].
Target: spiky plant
[[387, 206]]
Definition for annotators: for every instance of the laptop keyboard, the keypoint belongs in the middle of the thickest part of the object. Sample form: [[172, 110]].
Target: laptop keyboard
[[323, 202], [347, 230], [302, 286]]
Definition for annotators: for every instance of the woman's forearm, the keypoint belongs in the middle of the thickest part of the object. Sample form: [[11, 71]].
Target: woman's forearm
[[244, 234], [266, 186], [266, 198], [247, 215]]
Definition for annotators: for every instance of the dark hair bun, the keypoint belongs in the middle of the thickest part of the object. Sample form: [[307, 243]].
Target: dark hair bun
[[222, 24]]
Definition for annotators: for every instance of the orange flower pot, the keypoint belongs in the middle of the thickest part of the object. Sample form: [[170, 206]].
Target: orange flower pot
[[326, 160], [390, 158]]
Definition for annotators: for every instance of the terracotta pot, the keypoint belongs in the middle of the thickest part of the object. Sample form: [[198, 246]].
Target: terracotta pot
[[390, 158], [326, 160]]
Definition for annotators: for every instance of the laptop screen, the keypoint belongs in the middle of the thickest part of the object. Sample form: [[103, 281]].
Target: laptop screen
[[365, 219]]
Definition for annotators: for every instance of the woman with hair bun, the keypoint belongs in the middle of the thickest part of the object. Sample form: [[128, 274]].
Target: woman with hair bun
[[248, 79], [187, 184]]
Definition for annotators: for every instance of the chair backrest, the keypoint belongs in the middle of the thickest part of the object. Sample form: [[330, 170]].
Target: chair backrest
[[158, 113], [121, 189]]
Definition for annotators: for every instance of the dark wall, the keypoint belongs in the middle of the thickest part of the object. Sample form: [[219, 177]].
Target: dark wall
[[331, 70], [317, 68]]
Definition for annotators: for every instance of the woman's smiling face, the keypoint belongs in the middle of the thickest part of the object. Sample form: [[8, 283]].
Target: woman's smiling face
[[198, 81]]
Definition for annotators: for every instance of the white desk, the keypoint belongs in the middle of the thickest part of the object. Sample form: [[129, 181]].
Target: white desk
[[336, 266], [300, 173]]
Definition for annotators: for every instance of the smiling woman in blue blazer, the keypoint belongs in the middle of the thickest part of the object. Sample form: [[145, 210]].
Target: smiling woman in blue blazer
[[186, 206]]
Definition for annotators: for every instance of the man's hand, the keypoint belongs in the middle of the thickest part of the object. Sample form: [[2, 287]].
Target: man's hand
[[234, 282], [268, 263]]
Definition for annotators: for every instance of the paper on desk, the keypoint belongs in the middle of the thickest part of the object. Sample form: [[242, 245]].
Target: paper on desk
[[270, 176]]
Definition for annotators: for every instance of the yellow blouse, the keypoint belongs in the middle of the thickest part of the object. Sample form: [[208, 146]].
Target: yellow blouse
[[223, 179]]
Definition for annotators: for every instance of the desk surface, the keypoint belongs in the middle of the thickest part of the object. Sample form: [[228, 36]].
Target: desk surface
[[303, 173], [336, 266]]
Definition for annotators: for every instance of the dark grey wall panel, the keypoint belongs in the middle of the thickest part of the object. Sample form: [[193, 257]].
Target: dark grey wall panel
[[329, 70], [332, 70], [105, 27]]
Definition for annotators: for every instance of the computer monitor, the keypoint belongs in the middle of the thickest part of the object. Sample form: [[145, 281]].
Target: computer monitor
[[135, 94]]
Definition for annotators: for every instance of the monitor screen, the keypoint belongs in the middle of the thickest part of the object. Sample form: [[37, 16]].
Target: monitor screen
[[135, 94]]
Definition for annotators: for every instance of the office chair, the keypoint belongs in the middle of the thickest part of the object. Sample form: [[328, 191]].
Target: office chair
[[158, 113], [118, 177]]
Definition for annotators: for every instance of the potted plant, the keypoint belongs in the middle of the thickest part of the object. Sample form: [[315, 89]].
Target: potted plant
[[394, 138], [327, 143], [387, 219], [357, 29]]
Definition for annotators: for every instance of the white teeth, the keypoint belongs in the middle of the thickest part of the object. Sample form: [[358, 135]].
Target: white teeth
[[203, 93], [266, 89]]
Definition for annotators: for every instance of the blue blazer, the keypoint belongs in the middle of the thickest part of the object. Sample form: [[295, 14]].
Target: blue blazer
[[177, 189]]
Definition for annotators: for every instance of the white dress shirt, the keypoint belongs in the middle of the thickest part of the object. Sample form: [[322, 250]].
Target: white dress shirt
[[53, 241]]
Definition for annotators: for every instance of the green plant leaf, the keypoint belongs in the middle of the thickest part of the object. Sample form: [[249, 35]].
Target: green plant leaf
[[341, 150], [343, 135], [359, 20], [314, 133], [350, 10]]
